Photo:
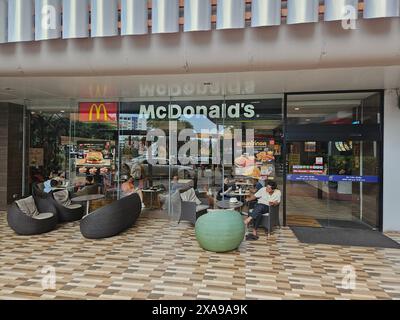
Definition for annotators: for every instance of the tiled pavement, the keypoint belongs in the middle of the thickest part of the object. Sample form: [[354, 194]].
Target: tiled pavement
[[159, 259]]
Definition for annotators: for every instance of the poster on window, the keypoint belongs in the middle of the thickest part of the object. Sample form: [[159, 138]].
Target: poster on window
[[310, 146], [36, 157]]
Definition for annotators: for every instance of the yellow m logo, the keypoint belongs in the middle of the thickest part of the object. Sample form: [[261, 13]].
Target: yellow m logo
[[98, 109]]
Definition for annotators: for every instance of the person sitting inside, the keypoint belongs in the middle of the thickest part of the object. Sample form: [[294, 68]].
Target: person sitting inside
[[89, 187], [266, 196], [128, 188], [50, 185], [175, 184], [225, 190], [89, 181], [260, 183]]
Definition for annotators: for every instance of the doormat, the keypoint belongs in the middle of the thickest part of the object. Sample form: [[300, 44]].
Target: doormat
[[344, 237], [328, 223]]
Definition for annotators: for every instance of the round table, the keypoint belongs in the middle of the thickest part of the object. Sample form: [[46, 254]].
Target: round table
[[153, 193], [87, 198], [239, 195], [226, 204]]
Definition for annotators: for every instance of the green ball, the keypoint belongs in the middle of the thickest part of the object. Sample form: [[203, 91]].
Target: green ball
[[220, 231]]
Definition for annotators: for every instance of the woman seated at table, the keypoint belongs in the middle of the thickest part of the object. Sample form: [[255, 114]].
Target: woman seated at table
[[128, 188], [223, 193], [266, 197], [52, 185]]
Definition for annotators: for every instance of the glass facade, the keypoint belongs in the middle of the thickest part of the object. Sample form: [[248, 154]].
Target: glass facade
[[322, 149], [157, 147]]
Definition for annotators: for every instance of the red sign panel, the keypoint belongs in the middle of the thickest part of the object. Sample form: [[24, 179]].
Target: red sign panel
[[98, 112]]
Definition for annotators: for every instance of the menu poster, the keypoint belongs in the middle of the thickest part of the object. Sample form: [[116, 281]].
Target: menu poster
[[36, 156], [310, 146], [294, 159], [268, 170], [319, 160], [277, 150]]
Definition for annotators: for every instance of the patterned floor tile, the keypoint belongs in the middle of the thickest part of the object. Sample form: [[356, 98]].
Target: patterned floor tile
[[160, 259]]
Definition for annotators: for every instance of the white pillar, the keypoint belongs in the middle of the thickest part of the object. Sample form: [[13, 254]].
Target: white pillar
[[391, 160]]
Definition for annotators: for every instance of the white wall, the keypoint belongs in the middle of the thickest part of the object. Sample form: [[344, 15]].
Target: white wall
[[375, 42], [391, 166]]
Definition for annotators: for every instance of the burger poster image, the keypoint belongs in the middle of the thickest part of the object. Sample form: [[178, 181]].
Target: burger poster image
[[260, 165], [94, 157]]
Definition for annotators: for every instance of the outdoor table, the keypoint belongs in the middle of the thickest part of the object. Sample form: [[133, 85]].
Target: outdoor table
[[226, 204], [238, 194], [152, 193], [87, 198]]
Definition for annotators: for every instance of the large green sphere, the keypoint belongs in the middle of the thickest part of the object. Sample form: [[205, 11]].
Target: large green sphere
[[220, 231]]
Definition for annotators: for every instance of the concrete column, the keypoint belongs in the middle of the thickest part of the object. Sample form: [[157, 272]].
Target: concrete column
[[391, 162], [11, 147]]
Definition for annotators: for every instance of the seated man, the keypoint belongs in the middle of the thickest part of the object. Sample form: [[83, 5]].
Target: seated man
[[267, 196]]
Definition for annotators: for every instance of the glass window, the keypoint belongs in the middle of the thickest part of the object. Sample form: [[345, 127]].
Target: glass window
[[333, 109], [93, 154], [48, 142]]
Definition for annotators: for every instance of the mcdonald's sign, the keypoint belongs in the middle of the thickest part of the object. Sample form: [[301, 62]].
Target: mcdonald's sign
[[98, 112]]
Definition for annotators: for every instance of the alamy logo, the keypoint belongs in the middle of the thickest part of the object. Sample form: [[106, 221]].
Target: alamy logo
[[49, 278], [49, 17], [349, 18], [349, 278]]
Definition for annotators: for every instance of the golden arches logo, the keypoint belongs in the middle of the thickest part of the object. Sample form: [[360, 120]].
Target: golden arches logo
[[98, 109]]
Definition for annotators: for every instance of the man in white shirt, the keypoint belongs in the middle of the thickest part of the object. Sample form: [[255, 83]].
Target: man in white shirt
[[267, 196]]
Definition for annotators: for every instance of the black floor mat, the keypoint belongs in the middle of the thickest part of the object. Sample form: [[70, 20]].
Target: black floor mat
[[344, 237], [328, 223]]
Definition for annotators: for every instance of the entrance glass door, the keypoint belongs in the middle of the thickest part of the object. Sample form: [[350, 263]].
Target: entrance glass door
[[333, 159], [333, 184]]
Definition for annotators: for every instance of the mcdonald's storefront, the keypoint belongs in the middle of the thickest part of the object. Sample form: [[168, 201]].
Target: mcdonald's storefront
[[332, 175]]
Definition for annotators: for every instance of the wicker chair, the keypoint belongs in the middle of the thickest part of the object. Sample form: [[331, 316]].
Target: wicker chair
[[112, 219], [187, 210], [270, 220], [92, 189], [37, 191], [23, 224], [66, 214]]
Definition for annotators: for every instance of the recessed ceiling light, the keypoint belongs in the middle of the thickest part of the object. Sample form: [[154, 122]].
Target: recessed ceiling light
[[62, 111], [308, 120], [297, 108]]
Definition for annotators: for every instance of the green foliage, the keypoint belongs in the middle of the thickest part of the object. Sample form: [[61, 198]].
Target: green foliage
[[46, 130]]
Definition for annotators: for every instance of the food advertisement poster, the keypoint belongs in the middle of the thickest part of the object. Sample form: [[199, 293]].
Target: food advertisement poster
[[259, 165], [36, 157]]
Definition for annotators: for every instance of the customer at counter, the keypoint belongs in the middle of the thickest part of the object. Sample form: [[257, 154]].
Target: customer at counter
[[266, 197]]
